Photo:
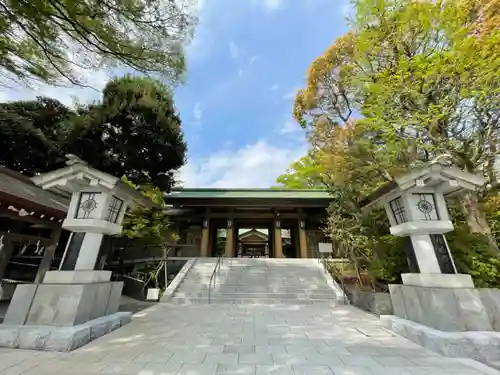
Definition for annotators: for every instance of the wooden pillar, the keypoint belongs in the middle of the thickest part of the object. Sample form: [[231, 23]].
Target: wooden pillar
[[229, 251], [6, 247], [278, 243], [48, 256], [205, 238], [302, 239]]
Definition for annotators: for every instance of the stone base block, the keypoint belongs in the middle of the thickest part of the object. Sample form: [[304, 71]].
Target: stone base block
[[480, 346], [62, 304], [76, 277], [438, 280], [375, 302], [447, 309], [61, 339]]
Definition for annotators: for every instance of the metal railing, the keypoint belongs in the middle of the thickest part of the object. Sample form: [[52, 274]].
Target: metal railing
[[216, 270]]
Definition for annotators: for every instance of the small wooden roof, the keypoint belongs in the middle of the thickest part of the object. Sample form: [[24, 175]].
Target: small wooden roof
[[19, 192], [253, 234]]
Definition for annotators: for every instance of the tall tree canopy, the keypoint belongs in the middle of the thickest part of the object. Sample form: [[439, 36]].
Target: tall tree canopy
[[55, 41], [411, 80], [305, 173], [134, 132], [423, 76], [30, 132]]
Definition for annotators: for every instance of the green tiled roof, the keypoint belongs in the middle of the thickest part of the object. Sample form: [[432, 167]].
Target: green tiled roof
[[249, 193]]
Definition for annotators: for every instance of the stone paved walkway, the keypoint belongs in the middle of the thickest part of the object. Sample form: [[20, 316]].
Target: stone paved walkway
[[172, 339]]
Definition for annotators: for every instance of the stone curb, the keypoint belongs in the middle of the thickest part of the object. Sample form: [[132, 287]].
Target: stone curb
[[482, 346], [60, 339], [176, 282]]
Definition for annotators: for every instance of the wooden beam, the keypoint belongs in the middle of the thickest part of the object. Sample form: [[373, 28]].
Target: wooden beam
[[11, 215], [15, 237], [48, 256], [5, 254], [255, 215]]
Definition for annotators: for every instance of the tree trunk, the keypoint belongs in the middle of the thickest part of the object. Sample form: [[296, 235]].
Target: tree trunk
[[475, 217]]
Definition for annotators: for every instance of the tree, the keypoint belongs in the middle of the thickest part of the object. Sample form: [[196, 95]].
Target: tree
[[134, 132], [30, 133], [151, 226], [423, 76], [304, 173], [55, 41]]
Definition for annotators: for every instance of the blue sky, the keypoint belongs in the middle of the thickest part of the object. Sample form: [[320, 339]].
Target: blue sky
[[245, 64]]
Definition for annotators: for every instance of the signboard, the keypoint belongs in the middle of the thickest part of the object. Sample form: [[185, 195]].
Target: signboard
[[325, 247]]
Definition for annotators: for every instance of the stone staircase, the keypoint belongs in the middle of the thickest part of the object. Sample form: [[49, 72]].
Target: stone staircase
[[258, 281]]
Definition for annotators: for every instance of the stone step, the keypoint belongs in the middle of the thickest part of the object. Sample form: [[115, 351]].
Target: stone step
[[254, 289], [330, 295], [217, 289], [256, 281], [257, 301]]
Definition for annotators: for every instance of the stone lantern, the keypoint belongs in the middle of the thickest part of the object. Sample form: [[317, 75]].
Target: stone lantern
[[97, 208], [435, 306], [416, 207], [77, 295]]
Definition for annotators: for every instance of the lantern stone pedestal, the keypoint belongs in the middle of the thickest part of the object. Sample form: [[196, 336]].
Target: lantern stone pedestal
[[438, 280], [77, 303], [435, 306], [65, 299]]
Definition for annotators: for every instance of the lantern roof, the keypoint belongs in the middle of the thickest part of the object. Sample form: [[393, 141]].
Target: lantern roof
[[438, 177], [78, 175]]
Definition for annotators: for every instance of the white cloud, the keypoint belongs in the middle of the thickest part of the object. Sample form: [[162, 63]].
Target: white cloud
[[197, 112], [234, 50], [290, 127], [274, 87], [66, 95], [252, 166], [240, 73], [252, 60], [271, 6]]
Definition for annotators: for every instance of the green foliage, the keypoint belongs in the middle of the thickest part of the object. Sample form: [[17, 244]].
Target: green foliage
[[56, 40], [424, 76], [149, 274], [473, 255], [151, 225], [304, 173], [134, 132], [390, 259], [30, 134], [491, 205]]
